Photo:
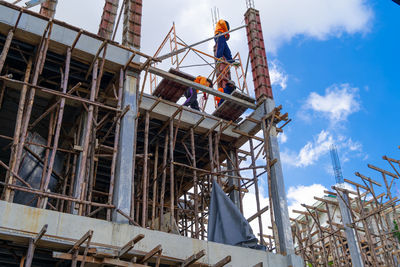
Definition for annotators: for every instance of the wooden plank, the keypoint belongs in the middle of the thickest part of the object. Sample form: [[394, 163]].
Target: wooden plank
[[257, 214], [223, 262], [367, 179], [128, 246], [356, 184], [40, 234], [326, 201], [382, 171], [171, 90], [150, 254], [192, 259], [232, 111], [81, 241], [93, 260]]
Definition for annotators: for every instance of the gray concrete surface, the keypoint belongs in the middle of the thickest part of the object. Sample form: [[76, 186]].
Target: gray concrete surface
[[16, 219]]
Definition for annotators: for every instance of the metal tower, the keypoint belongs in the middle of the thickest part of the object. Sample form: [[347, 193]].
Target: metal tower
[[336, 164]]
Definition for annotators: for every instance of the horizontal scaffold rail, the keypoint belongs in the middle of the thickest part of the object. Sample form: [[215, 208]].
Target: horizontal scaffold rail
[[200, 87]]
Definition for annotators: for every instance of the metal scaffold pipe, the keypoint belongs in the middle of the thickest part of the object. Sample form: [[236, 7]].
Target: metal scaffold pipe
[[195, 44]]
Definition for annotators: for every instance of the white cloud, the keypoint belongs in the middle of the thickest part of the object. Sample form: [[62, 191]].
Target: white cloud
[[312, 151], [277, 75], [302, 194], [337, 104], [320, 19], [282, 138], [281, 20]]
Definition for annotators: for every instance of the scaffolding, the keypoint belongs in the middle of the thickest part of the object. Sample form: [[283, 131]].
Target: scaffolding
[[64, 106], [320, 236]]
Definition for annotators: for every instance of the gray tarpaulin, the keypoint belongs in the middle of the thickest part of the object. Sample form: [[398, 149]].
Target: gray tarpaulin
[[226, 224]]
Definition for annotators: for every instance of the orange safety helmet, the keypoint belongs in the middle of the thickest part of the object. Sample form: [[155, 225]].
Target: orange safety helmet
[[221, 27]]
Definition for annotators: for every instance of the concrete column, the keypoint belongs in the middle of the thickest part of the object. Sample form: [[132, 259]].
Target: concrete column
[[234, 194], [278, 193], [347, 220], [124, 167]]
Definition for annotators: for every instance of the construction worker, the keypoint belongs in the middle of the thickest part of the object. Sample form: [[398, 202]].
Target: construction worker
[[228, 89], [222, 48], [191, 94]]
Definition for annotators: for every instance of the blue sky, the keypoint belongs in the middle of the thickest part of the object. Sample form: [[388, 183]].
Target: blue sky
[[367, 63]]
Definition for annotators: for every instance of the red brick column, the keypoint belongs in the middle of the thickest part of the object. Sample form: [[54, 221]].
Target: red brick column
[[108, 18], [48, 8], [258, 57], [132, 23]]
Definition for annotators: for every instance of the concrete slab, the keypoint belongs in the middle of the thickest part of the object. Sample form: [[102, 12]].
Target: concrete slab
[[28, 219], [64, 228], [66, 222], [62, 35]]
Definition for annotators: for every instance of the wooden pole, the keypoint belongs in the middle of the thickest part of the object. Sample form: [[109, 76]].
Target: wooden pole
[[59, 120], [171, 170], [257, 191], [163, 181], [6, 47], [89, 122], [116, 143], [195, 186], [18, 122], [155, 189], [145, 173]]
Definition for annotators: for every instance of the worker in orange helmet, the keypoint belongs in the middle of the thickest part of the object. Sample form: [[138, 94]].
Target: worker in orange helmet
[[191, 94], [222, 48], [228, 89]]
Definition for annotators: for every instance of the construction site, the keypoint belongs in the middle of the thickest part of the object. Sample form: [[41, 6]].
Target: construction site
[[100, 164]]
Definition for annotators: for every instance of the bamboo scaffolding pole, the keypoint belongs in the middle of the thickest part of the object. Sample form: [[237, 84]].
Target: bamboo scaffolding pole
[[257, 191], [171, 169], [47, 153], [59, 121], [155, 188], [145, 172], [195, 185], [163, 181], [116, 144], [88, 126]]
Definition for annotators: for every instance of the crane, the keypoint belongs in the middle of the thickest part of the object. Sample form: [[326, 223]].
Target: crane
[[336, 165]]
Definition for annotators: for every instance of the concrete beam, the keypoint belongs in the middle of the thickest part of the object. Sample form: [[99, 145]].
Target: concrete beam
[[124, 169], [19, 222]]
